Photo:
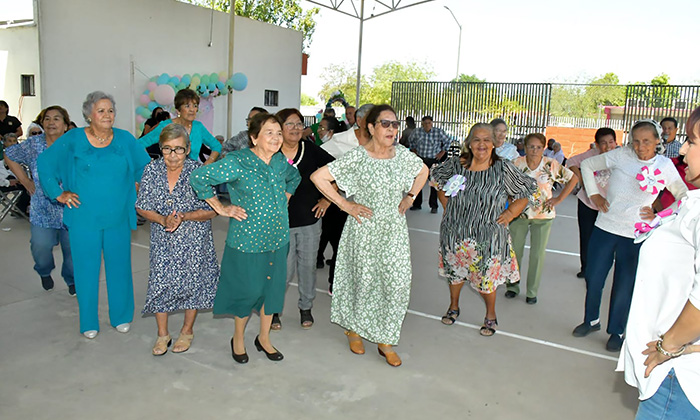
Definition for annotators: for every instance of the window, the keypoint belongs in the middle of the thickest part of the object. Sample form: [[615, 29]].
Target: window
[[27, 81], [272, 98]]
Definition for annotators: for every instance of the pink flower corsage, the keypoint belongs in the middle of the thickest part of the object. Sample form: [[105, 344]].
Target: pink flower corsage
[[642, 230], [454, 185], [650, 181]]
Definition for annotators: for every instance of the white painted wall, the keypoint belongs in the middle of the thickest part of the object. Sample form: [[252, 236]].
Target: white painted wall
[[88, 45], [19, 54]]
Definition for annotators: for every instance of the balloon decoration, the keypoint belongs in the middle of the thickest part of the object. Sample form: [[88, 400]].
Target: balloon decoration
[[337, 96], [161, 89]]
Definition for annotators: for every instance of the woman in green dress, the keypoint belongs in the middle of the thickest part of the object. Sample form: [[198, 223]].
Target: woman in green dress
[[372, 281], [254, 266]]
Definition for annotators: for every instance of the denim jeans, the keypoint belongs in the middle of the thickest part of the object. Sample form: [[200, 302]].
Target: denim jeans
[[41, 244], [668, 403], [301, 260], [604, 247]]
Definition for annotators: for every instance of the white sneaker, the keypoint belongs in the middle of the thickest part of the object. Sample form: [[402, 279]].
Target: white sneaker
[[90, 334], [124, 328]]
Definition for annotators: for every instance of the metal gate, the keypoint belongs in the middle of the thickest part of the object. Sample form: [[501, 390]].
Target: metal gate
[[456, 106], [659, 102]]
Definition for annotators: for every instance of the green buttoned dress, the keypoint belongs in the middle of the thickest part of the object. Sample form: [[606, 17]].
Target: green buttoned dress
[[254, 265]]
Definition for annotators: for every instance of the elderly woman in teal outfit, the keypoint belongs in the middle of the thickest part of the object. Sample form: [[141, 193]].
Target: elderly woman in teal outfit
[[254, 266], [93, 171], [187, 105]]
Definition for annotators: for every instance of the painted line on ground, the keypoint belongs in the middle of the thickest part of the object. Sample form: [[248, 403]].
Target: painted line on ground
[[553, 251], [477, 327], [504, 333]]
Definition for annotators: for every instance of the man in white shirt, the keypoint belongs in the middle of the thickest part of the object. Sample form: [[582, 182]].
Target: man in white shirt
[[549, 151], [557, 154], [343, 142]]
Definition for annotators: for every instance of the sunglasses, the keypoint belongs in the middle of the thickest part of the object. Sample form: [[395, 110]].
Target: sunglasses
[[34, 133], [387, 123]]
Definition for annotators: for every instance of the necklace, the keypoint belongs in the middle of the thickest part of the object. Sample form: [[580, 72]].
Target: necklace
[[100, 139]]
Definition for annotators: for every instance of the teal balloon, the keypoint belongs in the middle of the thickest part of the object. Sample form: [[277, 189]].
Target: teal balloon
[[145, 113], [213, 78], [211, 87], [197, 75], [139, 109], [220, 86], [163, 79], [171, 84], [182, 85], [152, 105], [205, 94], [204, 79], [153, 79], [186, 80], [146, 92], [240, 81], [202, 89], [174, 80]]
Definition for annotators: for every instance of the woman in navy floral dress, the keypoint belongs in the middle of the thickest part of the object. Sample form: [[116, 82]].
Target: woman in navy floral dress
[[184, 269]]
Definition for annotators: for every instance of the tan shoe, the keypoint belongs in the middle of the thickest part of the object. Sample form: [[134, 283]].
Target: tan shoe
[[390, 355], [183, 343], [355, 341], [161, 346]]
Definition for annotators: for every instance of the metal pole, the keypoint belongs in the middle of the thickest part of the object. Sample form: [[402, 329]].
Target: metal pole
[[229, 97], [359, 54], [459, 46]]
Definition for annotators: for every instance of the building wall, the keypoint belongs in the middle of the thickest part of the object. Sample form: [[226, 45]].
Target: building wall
[[576, 140], [89, 45], [19, 54]]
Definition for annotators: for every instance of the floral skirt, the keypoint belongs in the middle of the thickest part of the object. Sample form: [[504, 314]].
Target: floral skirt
[[466, 261]]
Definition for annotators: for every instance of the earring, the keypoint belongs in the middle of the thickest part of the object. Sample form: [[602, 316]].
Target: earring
[[89, 120]]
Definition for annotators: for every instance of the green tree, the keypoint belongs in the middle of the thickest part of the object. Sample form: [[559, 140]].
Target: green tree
[[287, 13], [469, 78], [375, 88], [660, 80], [308, 100]]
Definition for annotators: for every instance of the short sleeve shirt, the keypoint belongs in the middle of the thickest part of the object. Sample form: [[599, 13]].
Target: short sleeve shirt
[[9, 125], [547, 173]]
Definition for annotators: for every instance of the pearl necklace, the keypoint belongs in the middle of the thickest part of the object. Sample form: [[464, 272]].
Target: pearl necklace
[[100, 139]]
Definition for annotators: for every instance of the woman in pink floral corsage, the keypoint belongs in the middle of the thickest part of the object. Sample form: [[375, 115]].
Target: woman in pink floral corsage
[[638, 175], [475, 245]]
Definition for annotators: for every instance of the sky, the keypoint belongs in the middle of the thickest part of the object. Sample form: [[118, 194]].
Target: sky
[[518, 41]]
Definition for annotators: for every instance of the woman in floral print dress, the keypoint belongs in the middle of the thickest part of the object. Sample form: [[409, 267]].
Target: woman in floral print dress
[[372, 280], [475, 244]]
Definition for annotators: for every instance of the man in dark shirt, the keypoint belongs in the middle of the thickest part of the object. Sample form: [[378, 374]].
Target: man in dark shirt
[[8, 123]]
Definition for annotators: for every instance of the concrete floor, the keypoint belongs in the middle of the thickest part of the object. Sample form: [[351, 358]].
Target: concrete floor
[[531, 369]]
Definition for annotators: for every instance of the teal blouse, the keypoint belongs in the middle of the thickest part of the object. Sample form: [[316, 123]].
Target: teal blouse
[[104, 178], [198, 136], [258, 188]]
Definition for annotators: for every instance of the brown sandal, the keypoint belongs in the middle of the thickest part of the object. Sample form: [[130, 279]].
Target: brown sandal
[[390, 355], [183, 343], [161, 346], [489, 327], [355, 341]]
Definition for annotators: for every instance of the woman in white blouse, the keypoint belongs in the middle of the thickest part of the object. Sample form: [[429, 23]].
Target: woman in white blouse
[[638, 174], [664, 320]]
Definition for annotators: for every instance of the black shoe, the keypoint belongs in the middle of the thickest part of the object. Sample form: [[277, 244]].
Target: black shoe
[[330, 289], [307, 320], [585, 329], [240, 358], [433, 210], [414, 208], [614, 343], [511, 294], [531, 300], [581, 274], [47, 282], [276, 324], [276, 356], [71, 290], [319, 263]]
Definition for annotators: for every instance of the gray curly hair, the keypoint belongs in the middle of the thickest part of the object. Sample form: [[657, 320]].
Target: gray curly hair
[[92, 98]]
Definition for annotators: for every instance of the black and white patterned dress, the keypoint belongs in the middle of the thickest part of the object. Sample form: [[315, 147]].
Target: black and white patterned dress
[[184, 269], [473, 246]]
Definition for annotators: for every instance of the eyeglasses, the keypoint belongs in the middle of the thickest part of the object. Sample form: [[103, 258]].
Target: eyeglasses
[[387, 123], [34, 133], [294, 125], [320, 127], [167, 150]]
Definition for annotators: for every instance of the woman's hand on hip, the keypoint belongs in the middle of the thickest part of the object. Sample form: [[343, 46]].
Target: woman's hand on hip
[[600, 202], [320, 208], [234, 212], [654, 358], [506, 217], [358, 210], [70, 199], [646, 213]]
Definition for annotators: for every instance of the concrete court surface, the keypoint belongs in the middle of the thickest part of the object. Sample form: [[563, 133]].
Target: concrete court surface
[[531, 369]]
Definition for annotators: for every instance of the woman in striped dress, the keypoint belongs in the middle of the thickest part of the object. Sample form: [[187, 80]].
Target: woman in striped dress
[[475, 244]]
